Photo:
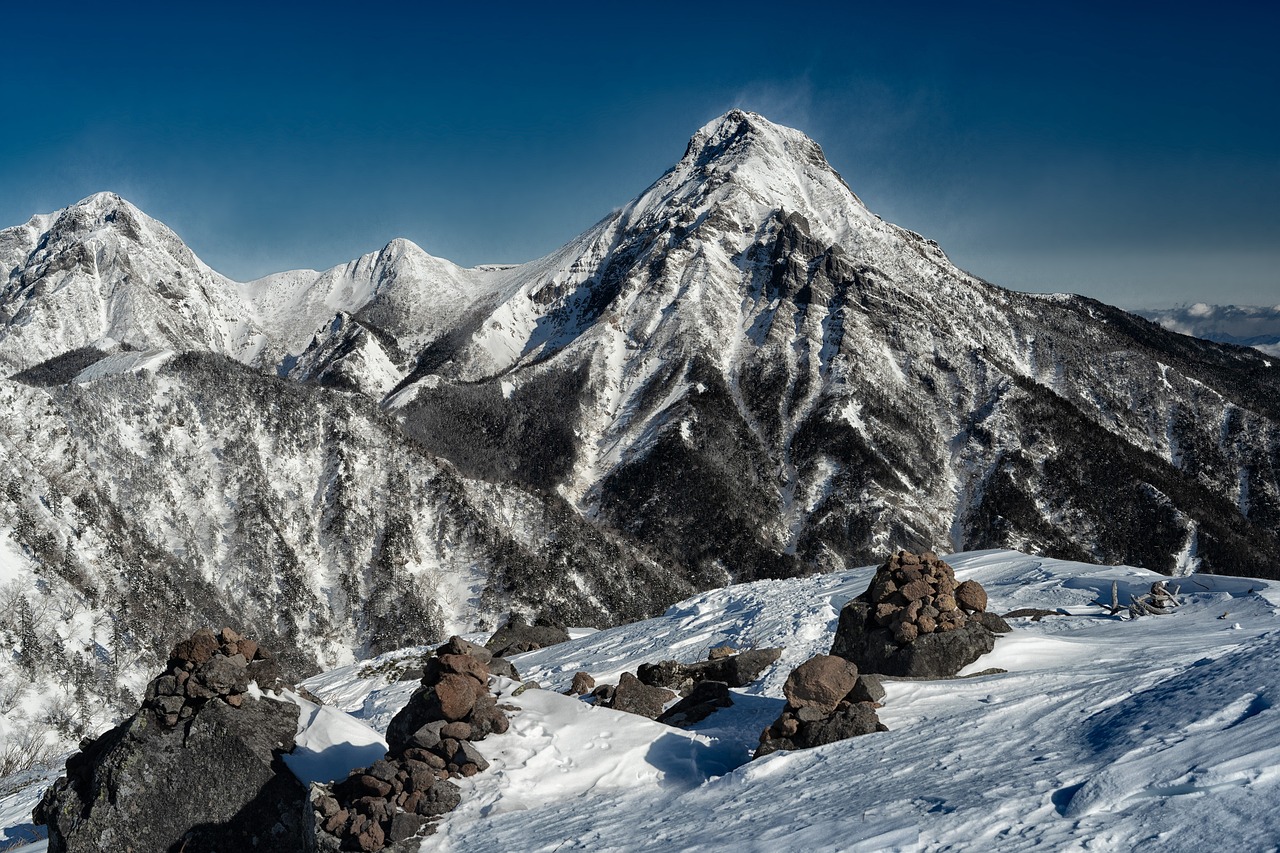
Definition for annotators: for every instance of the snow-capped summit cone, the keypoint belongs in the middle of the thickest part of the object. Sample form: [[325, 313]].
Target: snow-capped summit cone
[[102, 272], [400, 289], [748, 368]]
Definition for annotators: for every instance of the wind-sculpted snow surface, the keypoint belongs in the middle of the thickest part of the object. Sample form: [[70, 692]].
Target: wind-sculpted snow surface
[[1104, 733]]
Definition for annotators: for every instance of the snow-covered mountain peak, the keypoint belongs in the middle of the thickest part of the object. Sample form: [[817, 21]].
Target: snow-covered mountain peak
[[101, 270], [740, 135]]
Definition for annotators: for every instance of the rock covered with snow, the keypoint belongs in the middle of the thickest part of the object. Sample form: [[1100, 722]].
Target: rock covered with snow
[[915, 619], [198, 770]]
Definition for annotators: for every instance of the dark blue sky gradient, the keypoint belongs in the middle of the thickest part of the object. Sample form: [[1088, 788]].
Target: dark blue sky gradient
[[1130, 155]]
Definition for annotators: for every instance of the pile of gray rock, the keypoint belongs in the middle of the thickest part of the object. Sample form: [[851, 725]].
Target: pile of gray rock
[[196, 769], [916, 620], [430, 741], [827, 700]]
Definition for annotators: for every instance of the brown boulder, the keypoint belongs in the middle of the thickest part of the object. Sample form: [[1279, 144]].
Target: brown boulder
[[201, 646], [466, 665], [916, 589], [820, 682], [582, 683], [456, 695], [971, 596]]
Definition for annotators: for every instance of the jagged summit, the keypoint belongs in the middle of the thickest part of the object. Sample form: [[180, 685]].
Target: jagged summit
[[739, 134]]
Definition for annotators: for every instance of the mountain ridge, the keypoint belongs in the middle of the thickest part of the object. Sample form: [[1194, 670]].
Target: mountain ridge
[[742, 373]]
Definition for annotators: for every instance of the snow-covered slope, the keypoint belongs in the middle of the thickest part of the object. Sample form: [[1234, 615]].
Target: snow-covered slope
[[401, 290], [1103, 733], [140, 502]]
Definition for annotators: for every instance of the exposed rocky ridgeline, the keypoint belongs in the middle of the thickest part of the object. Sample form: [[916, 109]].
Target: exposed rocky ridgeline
[[196, 769], [916, 620]]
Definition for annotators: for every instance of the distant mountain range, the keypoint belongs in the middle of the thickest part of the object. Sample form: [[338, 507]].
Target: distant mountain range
[[742, 373], [1248, 326]]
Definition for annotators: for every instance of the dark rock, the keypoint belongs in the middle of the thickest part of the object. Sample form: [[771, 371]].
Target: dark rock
[[856, 719], [1036, 613], [502, 667], [706, 698], [991, 622], [582, 683], [971, 596], [214, 785], [443, 797], [636, 698], [383, 770], [222, 675], [822, 682], [468, 754], [404, 826], [868, 689], [428, 736], [736, 670], [519, 636]]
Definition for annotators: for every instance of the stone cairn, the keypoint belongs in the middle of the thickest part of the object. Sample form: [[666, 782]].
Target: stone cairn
[[400, 796], [209, 666], [197, 768], [916, 620], [917, 594], [827, 701]]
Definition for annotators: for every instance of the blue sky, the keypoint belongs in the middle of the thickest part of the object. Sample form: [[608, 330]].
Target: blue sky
[[1130, 155]]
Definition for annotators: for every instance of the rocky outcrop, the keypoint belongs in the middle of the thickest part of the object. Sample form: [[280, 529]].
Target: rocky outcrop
[[703, 700], [518, 636], [397, 798], [916, 620], [196, 769], [635, 697], [734, 669], [827, 701]]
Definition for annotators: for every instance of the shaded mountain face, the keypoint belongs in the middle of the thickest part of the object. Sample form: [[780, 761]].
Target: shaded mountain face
[[742, 373]]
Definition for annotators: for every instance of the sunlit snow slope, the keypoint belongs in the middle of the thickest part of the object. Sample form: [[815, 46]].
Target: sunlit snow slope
[[1103, 734]]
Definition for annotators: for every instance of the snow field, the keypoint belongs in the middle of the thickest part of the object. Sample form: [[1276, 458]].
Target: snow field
[[1103, 734]]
